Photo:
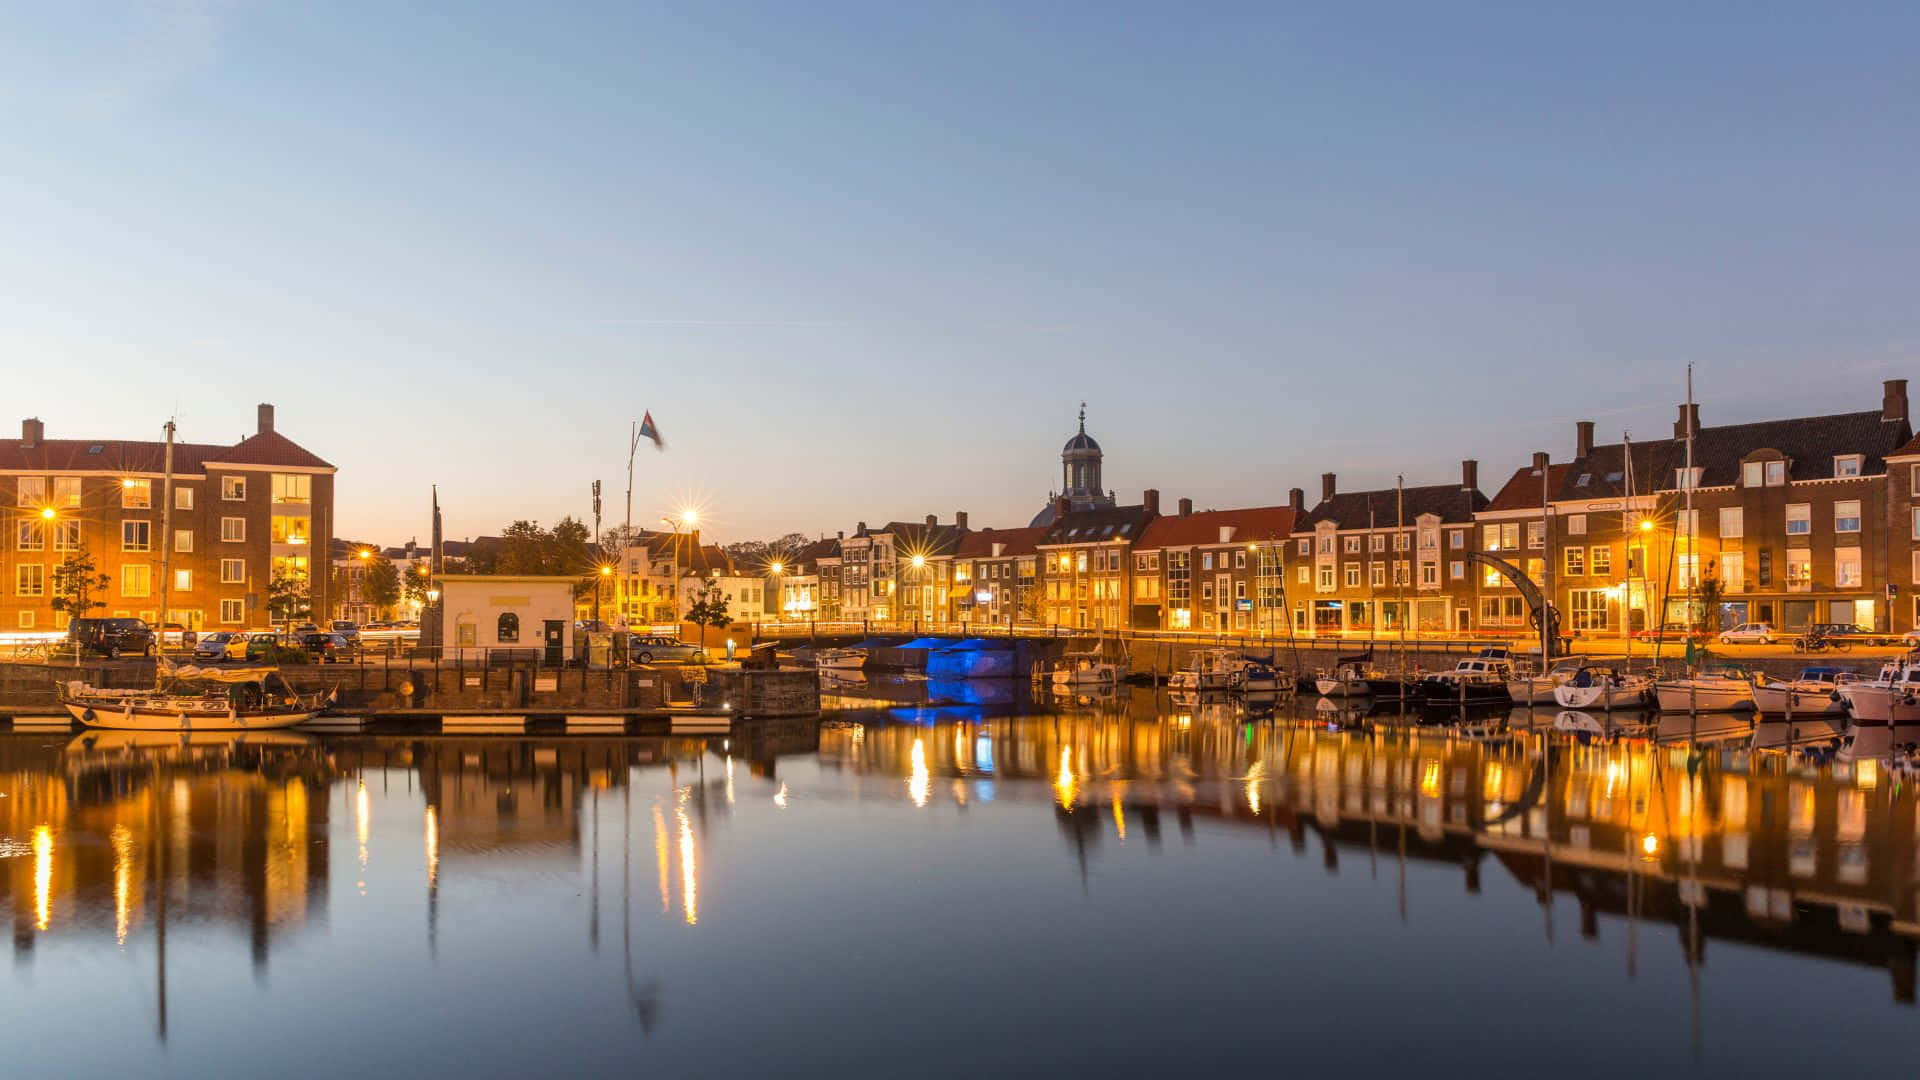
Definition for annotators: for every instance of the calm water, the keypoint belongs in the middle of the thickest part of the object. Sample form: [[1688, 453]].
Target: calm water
[[1135, 888]]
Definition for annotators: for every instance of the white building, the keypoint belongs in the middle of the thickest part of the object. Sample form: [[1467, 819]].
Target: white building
[[484, 612]]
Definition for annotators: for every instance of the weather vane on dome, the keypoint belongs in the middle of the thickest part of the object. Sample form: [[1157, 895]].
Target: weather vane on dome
[[1083, 418]]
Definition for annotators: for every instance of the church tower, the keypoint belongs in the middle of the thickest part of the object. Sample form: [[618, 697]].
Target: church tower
[[1079, 474]]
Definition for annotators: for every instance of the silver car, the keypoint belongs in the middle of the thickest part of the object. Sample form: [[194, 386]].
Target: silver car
[[1752, 633], [664, 650]]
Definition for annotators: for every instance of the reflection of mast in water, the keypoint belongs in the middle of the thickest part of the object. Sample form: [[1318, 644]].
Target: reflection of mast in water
[[160, 904], [660, 855], [644, 999], [432, 829], [593, 904]]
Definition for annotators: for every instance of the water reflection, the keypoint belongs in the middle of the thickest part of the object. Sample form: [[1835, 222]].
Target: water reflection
[[793, 865]]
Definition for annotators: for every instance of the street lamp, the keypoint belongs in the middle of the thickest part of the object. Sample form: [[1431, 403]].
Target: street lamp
[[925, 605]]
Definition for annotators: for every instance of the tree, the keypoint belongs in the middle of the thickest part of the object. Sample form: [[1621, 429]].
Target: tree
[[1032, 606], [709, 608], [288, 597], [381, 586], [749, 552], [415, 583], [1706, 613], [75, 581]]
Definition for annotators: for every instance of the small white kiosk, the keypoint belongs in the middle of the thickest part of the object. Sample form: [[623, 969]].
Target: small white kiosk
[[486, 614]]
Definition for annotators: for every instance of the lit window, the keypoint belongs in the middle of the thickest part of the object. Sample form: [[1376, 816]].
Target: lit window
[[183, 498], [1776, 473], [294, 530], [66, 536], [1846, 568], [1733, 522], [33, 536], [1846, 516], [66, 492], [183, 580], [1600, 559], [136, 579], [32, 491], [29, 579], [1577, 525], [1576, 562], [136, 494], [1753, 474], [292, 487]]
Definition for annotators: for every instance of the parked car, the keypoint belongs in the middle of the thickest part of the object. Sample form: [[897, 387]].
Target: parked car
[[328, 648], [111, 637], [1672, 631], [213, 646], [1752, 633], [653, 650], [1842, 635], [253, 645], [348, 629], [172, 633]]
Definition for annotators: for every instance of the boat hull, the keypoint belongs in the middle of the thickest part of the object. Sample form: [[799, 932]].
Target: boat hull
[[1687, 697], [1601, 696], [1775, 699], [1335, 688], [134, 718]]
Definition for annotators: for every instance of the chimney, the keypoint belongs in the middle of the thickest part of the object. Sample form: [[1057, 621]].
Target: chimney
[[840, 535], [1469, 475], [933, 519], [1680, 425], [1150, 499], [960, 520], [1539, 460], [31, 432], [860, 529], [266, 419], [1186, 507], [1583, 440], [1296, 500], [1893, 401], [1326, 486]]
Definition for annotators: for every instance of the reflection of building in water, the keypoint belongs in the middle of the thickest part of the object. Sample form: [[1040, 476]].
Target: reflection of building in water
[[233, 830], [1750, 846]]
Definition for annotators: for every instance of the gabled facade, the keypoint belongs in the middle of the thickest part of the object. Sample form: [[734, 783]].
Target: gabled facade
[[996, 576], [1214, 570], [1086, 563], [1375, 562]]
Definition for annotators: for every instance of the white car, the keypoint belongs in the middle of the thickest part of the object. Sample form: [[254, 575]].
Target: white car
[[1753, 633]]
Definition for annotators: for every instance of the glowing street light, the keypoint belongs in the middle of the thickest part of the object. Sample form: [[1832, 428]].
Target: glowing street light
[[47, 512]]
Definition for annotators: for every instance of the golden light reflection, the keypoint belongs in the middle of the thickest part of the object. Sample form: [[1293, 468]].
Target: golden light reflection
[[42, 876], [660, 855], [122, 881], [1866, 773], [1430, 778], [1254, 776], [362, 811], [1119, 813], [920, 784], [689, 875], [1650, 845], [780, 797], [729, 779], [432, 826], [1496, 778], [1065, 786]]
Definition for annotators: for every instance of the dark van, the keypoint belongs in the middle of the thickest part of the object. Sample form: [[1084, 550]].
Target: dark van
[[111, 637]]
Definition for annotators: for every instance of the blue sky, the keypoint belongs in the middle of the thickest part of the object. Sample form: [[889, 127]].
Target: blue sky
[[863, 260]]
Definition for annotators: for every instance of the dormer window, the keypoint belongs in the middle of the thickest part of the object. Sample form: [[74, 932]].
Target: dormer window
[[1847, 464], [1684, 479], [1776, 473]]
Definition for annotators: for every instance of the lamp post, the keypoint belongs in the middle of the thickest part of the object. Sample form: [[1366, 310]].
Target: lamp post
[[690, 518], [774, 570]]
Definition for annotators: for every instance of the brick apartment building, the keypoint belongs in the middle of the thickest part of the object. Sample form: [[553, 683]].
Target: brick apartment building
[[1377, 561], [241, 513], [1215, 570], [996, 575], [1086, 562]]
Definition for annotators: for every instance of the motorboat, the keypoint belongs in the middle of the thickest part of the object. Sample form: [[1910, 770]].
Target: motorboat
[[1816, 691], [1347, 678], [1476, 679], [1605, 688], [1260, 677], [1708, 690], [197, 699], [840, 659], [1208, 669], [1537, 688], [1087, 671], [1891, 699]]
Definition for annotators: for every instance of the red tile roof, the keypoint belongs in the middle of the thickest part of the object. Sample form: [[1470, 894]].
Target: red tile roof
[[1203, 528], [269, 448], [1522, 492], [126, 455], [979, 544]]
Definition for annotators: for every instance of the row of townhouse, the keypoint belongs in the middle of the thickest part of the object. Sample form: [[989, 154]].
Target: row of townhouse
[[242, 515], [1792, 521]]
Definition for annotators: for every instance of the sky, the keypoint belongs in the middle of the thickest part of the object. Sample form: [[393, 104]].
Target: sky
[[862, 261]]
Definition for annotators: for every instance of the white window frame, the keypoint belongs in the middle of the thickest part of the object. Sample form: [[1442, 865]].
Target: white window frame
[[233, 611], [31, 491], [1857, 463], [1801, 514], [1733, 522], [1576, 524], [183, 541], [20, 576], [182, 498], [1841, 579], [233, 488], [128, 528], [233, 530], [67, 535], [129, 500], [183, 580], [1844, 522], [1753, 474], [129, 572], [235, 579]]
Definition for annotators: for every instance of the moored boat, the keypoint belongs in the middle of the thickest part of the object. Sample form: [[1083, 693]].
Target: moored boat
[[1815, 692], [1712, 690], [198, 699], [1481, 678], [1595, 687], [1536, 688], [840, 659], [1208, 669]]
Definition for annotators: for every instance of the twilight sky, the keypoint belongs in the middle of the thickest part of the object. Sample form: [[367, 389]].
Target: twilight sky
[[862, 261]]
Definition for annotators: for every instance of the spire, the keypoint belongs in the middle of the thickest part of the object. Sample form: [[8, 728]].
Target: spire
[[1083, 418]]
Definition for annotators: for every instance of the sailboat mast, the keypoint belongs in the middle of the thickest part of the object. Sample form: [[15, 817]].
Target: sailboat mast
[[1399, 587], [166, 542], [1692, 548], [1626, 536]]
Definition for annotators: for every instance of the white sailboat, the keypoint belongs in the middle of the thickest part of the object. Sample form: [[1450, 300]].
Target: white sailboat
[[1537, 688], [1815, 693], [1603, 688]]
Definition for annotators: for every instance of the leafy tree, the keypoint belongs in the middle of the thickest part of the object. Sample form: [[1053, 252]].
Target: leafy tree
[[75, 582], [1706, 613], [1033, 606], [709, 608], [749, 552], [288, 597], [415, 583], [381, 586]]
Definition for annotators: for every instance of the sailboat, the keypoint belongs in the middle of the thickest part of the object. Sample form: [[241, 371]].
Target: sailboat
[[1089, 668], [190, 698], [1716, 690]]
